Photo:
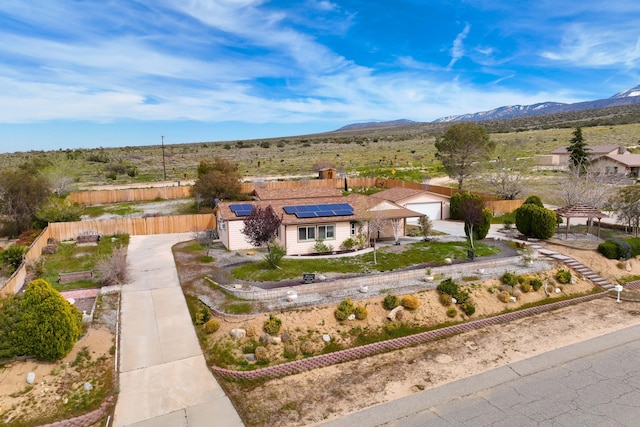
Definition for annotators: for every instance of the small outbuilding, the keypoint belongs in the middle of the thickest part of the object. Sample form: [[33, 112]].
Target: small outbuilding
[[581, 211]]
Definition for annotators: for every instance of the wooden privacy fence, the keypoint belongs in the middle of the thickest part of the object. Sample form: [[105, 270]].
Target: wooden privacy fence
[[100, 197], [131, 226]]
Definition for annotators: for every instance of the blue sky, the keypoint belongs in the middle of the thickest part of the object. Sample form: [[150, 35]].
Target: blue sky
[[103, 73]]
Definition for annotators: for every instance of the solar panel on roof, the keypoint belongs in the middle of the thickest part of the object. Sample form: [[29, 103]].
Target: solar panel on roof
[[322, 210], [306, 215], [241, 209]]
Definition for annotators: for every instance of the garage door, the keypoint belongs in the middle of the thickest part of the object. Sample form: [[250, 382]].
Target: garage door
[[432, 210]]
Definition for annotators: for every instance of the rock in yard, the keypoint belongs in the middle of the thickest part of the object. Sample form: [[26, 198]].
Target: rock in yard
[[238, 333], [275, 340], [251, 357], [326, 338], [265, 338], [394, 313], [31, 377], [513, 299], [351, 317], [448, 260], [88, 386], [285, 336]]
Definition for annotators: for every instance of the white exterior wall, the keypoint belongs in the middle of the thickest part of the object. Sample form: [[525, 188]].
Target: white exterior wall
[[421, 199], [237, 240], [603, 163], [294, 247]]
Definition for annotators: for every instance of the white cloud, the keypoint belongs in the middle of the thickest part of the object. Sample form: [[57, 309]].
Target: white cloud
[[457, 50]]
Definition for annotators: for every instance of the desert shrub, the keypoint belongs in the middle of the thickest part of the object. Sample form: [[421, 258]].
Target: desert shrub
[[452, 312], [49, 326], [525, 287], [468, 308], [448, 286], [348, 244], [307, 348], [536, 284], [410, 302], [290, 351], [504, 296], [13, 256], [250, 346], [446, 300], [261, 354], [534, 200], [211, 326], [202, 315], [272, 325], [344, 310], [509, 279], [608, 249], [113, 269], [563, 276], [360, 312], [390, 302], [462, 296]]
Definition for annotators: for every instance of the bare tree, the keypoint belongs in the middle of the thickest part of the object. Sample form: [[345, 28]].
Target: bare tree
[[587, 187], [506, 176], [113, 269], [626, 204], [425, 227], [374, 226], [396, 226]]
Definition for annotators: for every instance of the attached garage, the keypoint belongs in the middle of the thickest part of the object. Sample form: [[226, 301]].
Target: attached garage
[[435, 206]]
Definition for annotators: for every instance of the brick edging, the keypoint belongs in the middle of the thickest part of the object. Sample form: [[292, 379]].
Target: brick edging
[[324, 360], [86, 419]]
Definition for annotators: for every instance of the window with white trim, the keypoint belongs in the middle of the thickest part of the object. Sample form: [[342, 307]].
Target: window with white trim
[[327, 232], [307, 232], [354, 228]]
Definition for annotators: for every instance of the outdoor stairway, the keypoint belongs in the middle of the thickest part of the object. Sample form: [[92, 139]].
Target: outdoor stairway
[[576, 266]]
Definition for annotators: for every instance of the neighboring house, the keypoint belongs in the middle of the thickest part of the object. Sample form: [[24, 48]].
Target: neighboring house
[[618, 164], [307, 220], [560, 156], [433, 205]]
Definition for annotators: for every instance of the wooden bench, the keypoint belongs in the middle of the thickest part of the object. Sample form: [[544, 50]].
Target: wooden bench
[[88, 238], [75, 276]]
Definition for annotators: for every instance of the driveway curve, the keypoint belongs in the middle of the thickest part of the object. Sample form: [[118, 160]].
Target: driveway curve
[[164, 380]]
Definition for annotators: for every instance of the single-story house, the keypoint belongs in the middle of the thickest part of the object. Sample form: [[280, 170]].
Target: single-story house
[[618, 164], [305, 221], [561, 155], [433, 205]]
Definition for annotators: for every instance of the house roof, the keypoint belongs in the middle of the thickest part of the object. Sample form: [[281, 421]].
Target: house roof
[[296, 193], [593, 149], [580, 211], [398, 194], [631, 160], [364, 208]]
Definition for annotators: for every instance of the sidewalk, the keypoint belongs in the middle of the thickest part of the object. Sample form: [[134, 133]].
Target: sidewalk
[[164, 380]]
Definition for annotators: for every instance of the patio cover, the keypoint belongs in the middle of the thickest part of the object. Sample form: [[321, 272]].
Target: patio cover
[[580, 211]]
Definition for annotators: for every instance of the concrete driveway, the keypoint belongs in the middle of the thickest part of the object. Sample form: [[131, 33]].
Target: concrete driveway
[[164, 380]]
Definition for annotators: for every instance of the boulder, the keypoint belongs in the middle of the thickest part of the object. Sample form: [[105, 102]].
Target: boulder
[[275, 340], [31, 377], [238, 333], [394, 313], [326, 338], [351, 317]]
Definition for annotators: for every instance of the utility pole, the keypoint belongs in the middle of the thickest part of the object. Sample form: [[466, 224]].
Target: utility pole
[[164, 166]]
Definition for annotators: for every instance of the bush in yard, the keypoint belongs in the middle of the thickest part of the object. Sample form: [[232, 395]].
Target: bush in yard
[[454, 206], [525, 287], [563, 276], [261, 354], [535, 221], [634, 242], [504, 296], [360, 312], [410, 302], [211, 326], [623, 249], [534, 200], [448, 286], [344, 310], [481, 229], [468, 308], [390, 302], [536, 284], [308, 348], [290, 351], [49, 326], [13, 256], [452, 312], [608, 249], [202, 315], [113, 269], [509, 279], [446, 300], [272, 325], [9, 319], [274, 255], [348, 244]]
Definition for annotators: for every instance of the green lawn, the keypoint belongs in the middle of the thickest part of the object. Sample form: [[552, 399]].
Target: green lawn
[[71, 257], [387, 260]]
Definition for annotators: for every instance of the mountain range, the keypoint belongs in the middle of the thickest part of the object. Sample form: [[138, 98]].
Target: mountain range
[[626, 97]]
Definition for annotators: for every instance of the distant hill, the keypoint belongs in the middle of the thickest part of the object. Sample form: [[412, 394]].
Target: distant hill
[[369, 125], [626, 97]]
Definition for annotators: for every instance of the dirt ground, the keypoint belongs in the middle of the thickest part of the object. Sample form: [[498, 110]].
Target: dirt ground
[[338, 390]]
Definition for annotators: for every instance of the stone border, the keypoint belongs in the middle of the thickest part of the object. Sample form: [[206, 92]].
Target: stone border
[[354, 353], [86, 419]]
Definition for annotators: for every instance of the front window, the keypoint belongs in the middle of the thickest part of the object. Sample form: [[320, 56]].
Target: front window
[[326, 232], [306, 233], [354, 226]]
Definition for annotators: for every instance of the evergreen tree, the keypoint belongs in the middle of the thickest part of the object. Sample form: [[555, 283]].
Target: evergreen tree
[[579, 153]]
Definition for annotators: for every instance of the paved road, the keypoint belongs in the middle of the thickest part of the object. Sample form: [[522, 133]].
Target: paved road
[[164, 380], [593, 383]]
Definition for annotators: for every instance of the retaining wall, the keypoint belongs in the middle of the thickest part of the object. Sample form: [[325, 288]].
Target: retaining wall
[[86, 419]]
